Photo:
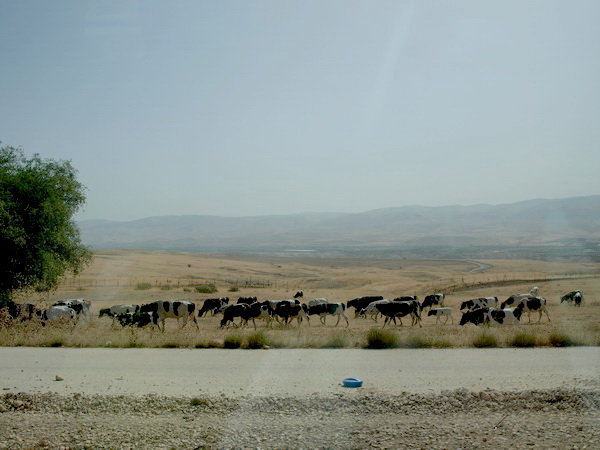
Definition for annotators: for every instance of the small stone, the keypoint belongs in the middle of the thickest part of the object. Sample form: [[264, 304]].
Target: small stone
[[57, 378]]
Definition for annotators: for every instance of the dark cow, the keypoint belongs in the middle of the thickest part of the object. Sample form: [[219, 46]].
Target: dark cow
[[481, 302], [399, 309], [247, 300], [288, 311], [245, 312], [299, 294], [414, 301], [212, 305], [433, 300], [257, 310], [20, 311], [476, 316], [329, 309], [139, 319], [172, 309], [361, 303], [573, 297]]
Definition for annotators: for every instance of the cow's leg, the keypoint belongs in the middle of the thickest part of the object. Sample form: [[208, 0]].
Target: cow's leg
[[338, 321], [346, 318]]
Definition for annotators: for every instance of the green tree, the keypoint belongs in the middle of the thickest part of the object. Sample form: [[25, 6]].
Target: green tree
[[39, 240]]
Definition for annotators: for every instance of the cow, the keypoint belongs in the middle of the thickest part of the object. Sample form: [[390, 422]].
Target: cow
[[573, 297], [118, 309], [299, 294], [172, 309], [247, 300], [372, 310], [245, 312], [115, 310], [439, 312], [254, 311], [317, 301], [514, 300], [476, 316], [432, 300], [507, 315], [19, 311], [81, 306], [399, 309], [329, 309], [412, 300], [534, 304], [57, 314], [212, 305], [139, 319], [289, 311], [361, 303], [481, 302]]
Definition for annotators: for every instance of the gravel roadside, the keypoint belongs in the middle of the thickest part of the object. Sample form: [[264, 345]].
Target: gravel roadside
[[553, 418]]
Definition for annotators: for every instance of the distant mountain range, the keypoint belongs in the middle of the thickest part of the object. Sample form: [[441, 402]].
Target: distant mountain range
[[560, 228]]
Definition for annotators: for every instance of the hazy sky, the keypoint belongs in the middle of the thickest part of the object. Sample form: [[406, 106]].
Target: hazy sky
[[241, 108]]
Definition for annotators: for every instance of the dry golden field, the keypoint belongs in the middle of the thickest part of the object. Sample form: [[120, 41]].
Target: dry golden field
[[124, 277]]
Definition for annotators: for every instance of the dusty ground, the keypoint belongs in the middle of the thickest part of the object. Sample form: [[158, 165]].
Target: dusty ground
[[150, 398]]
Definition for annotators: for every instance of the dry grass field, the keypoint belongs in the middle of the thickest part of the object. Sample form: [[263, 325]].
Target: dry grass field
[[124, 277]]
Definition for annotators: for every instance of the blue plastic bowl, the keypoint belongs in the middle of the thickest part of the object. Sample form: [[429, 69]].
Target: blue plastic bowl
[[353, 382]]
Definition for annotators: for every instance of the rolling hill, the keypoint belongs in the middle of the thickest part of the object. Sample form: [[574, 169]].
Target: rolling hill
[[559, 228]]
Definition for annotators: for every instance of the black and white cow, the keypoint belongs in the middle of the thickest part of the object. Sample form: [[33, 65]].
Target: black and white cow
[[481, 302], [288, 312], [534, 304], [433, 300], [139, 319], [172, 309], [399, 309], [57, 314], [247, 300], [299, 294], [115, 310], [317, 301], [372, 310], [361, 303], [506, 315], [414, 301], [230, 312], [514, 300], [212, 305], [118, 309], [476, 316], [81, 306], [573, 297], [245, 312], [441, 312], [329, 309], [256, 310]]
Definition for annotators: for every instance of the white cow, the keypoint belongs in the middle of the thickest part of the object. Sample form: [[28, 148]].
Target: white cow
[[439, 312]]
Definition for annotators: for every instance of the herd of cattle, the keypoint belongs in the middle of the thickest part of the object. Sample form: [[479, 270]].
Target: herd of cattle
[[485, 310]]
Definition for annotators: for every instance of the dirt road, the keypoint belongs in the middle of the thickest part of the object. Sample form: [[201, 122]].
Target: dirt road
[[177, 372], [150, 398]]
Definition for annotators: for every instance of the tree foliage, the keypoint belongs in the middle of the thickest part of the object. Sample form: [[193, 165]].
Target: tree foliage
[[39, 240]]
